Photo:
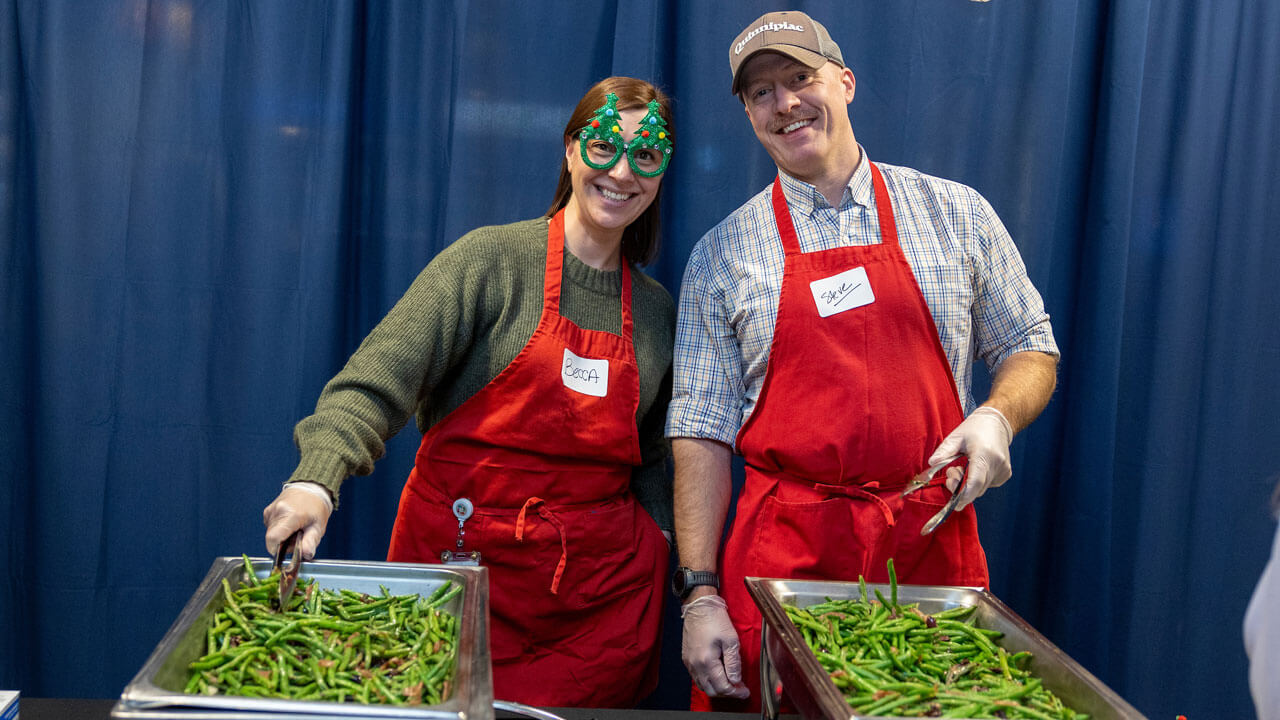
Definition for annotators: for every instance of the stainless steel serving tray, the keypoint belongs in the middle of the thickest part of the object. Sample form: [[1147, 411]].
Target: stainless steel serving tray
[[156, 691], [785, 657]]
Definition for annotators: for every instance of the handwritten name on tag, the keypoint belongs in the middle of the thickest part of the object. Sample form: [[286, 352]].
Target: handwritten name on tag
[[584, 375], [846, 291]]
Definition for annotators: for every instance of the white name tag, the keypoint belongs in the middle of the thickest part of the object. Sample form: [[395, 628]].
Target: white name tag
[[846, 291], [587, 376]]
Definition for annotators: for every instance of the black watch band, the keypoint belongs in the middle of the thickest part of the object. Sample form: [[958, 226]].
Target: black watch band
[[684, 580]]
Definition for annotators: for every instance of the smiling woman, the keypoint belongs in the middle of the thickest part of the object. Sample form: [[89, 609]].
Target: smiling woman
[[631, 196], [537, 359], [607, 196]]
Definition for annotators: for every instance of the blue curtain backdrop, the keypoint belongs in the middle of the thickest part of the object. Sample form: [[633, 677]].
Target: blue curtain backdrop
[[205, 205]]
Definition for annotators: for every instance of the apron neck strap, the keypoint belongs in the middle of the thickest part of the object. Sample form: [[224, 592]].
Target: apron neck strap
[[552, 280], [782, 215], [884, 207], [555, 263], [884, 210]]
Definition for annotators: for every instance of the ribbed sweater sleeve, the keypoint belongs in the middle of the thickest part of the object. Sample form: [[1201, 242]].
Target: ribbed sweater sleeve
[[465, 318]]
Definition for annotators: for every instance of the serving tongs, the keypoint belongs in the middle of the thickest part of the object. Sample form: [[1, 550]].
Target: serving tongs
[[288, 574], [923, 479]]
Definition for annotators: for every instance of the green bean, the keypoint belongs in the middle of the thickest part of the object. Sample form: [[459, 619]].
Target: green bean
[[888, 658], [446, 597], [328, 645]]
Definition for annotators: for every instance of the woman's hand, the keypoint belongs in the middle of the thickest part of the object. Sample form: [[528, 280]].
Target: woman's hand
[[304, 506]]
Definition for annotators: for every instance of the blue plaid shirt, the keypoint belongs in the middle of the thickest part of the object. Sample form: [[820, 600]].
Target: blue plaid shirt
[[969, 270]]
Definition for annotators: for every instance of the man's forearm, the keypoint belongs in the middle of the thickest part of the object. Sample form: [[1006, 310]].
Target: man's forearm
[[1022, 387], [702, 490]]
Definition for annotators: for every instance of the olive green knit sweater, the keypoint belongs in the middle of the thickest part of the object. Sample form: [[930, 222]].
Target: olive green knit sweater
[[463, 320]]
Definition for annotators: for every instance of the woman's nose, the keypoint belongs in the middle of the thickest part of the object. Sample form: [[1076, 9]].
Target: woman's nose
[[621, 170]]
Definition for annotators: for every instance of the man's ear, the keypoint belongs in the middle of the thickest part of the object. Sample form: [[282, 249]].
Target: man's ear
[[850, 84]]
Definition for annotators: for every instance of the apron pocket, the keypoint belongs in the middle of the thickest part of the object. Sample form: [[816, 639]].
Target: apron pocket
[[950, 555], [827, 539], [614, 550], [423, 529]]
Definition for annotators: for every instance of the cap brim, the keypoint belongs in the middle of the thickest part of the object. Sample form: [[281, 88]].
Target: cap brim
[[804, 56]]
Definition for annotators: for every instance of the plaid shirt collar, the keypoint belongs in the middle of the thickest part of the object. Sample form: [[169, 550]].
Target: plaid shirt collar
[[805, 200]]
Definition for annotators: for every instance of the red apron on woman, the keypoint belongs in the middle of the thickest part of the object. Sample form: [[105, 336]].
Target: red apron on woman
[[857, 394], [544, 453]]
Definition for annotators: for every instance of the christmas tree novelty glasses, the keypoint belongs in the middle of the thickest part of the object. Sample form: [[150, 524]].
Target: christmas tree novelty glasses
[[601, 140]]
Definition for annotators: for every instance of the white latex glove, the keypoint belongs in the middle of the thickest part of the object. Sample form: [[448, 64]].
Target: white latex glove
[[984, 437], [1262, 638], [302, 506], [710, 648]]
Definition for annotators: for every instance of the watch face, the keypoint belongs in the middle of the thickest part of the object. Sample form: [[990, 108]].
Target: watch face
[[680, 581]]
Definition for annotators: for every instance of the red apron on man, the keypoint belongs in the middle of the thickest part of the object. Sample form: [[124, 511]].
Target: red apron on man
[[544, 455], [857, 394]]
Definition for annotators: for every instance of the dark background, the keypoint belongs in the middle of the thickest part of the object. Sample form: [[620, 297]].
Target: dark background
[[204, 206]]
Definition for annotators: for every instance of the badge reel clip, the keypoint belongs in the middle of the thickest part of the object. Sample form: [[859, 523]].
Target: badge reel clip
[[462, 509]]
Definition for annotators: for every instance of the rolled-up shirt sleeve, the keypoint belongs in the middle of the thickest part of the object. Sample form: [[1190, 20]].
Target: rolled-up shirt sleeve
[[1008, 313], [707, 386]]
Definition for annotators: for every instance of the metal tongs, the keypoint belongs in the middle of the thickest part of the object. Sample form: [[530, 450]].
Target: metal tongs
[[288, 575], [923, 479]]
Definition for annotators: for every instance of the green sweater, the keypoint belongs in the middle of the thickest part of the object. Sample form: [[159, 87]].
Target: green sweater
[[463, 320]]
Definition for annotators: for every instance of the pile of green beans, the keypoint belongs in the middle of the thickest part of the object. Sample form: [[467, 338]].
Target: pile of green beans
[[328, 645], [890, 659]]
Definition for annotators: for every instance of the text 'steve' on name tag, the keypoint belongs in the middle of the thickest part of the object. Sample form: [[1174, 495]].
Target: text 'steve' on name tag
[[846, 291], [587, 376]]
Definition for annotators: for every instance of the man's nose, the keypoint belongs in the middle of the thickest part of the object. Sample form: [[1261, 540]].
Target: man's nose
[[784, 100]]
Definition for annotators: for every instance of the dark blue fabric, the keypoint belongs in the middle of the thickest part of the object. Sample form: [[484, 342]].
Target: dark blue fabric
[[204, 206]]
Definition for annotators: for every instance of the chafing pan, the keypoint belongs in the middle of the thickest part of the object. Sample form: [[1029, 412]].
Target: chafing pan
[[156, 691], [785, 657]]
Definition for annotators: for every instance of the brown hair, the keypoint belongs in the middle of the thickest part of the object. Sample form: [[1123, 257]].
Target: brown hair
[[640, 238]]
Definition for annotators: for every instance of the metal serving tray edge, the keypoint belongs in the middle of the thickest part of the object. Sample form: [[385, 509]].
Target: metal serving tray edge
[[785, 657], [156, 691]]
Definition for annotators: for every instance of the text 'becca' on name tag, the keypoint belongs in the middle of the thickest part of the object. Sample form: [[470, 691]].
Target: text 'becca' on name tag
[[587, 376]]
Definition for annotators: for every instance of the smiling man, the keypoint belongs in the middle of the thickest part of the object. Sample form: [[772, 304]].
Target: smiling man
[[827, 332]]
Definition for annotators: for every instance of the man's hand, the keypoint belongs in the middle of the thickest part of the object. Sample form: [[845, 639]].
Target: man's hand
[[302, 506], [710, 648], [984, 436]]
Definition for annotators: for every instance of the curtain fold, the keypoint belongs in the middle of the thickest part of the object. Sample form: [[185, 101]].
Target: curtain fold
[[205, 205]]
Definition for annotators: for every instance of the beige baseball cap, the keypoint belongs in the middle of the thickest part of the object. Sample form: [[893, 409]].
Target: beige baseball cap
[[791, 33]]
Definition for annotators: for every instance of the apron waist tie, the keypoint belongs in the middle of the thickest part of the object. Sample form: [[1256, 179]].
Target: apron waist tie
[[541, 506], [855, 492], [865, 493]]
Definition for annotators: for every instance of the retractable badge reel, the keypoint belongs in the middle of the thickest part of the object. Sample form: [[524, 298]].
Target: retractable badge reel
[[462, 509]]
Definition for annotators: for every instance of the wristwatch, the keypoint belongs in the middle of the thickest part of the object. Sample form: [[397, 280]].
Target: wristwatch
[[684, 580]]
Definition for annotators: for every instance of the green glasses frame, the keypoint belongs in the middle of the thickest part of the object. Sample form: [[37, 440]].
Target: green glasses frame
[[652, 134]]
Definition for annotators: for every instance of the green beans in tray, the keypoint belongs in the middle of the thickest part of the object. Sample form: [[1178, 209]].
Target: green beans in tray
[[329, 645], [890, 659]]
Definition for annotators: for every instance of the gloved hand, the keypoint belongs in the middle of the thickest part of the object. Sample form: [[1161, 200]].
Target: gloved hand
[[710, 648], [984, 436], [302, 506]]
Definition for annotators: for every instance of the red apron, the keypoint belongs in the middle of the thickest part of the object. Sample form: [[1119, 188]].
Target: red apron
[[851, 408], [545, 453]]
